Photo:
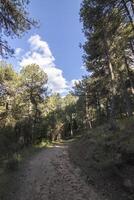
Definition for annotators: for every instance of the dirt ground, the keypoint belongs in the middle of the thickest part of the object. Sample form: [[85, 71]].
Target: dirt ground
[[50, 176], [64, 172]]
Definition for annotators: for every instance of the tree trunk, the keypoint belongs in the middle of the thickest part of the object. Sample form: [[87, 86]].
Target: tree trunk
[[113, 125], [132, 5], [71, 123], [88, 120], [132, 47], [107, 108], [129, 76], [128, 13], [126, 97], [111, 72], [98, 108]]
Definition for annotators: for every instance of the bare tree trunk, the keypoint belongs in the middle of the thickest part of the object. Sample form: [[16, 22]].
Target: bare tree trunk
[[128, 13], [107, 109], [113, 90], [111, 71], [129, 76], [130, 17], [132, 5], [126, 97], [98, 108], [71, 122], [132, 47], [88, 120], [113, 125]]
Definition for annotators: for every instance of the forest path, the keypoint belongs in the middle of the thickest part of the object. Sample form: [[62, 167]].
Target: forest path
[[50, 176]]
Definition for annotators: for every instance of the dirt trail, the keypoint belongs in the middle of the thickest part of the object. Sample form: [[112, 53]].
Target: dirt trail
[[50, 176]]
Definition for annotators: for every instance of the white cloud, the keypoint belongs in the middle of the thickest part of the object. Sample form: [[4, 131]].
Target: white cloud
[[41, 54], [83, 67], [73, 82], [18, 51]]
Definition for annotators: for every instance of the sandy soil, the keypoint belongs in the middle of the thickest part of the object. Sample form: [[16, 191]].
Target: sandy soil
[[50, 176]]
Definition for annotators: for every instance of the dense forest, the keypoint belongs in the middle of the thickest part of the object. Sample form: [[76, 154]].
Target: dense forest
[[108, 57], [100, 104], [28, 113]]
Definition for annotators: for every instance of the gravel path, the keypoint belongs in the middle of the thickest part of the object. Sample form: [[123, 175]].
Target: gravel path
[[50, 176]]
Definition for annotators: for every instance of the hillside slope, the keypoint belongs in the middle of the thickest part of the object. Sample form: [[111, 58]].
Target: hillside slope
[[106, 160]]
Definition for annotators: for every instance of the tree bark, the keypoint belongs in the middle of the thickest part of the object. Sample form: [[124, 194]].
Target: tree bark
[[111, 72], [88, 120], [128, 13], [132, 47], [129, 76], [132, 5], [126, 97]]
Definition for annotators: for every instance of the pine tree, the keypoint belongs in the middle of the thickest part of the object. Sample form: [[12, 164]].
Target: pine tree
[[14, 21]]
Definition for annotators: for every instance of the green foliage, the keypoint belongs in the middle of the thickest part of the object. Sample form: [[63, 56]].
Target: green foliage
[[7, 141], [58, 115], [14, 22], [108, 91], [113, 148], [27, 114], [21, 96], [33, 83]]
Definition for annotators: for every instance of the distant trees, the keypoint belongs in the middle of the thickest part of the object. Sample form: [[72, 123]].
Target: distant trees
[[14, 22], [60, 114], [27, 113], [33, 84], [8, 87], [21, 97]]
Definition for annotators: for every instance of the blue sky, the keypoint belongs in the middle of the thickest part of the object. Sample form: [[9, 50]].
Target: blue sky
[[55, 44]]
